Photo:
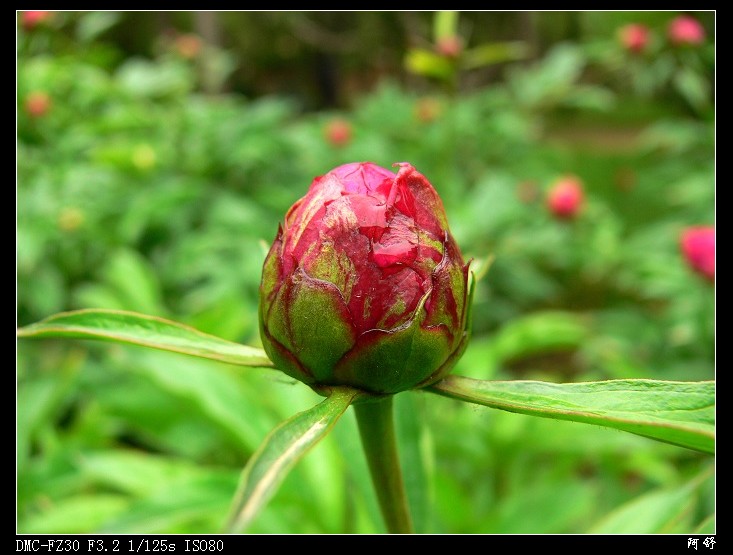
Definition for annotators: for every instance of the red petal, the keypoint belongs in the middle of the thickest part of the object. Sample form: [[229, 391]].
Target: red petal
[[363, 178]]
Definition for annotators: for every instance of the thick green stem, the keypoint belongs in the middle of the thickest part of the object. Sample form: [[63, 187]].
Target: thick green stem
[[376, 427]]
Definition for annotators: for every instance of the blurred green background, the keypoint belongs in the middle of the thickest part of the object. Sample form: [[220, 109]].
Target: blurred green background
[[156, 154]]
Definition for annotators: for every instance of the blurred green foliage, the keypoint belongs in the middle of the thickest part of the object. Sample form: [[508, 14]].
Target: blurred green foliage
[[139, 188]]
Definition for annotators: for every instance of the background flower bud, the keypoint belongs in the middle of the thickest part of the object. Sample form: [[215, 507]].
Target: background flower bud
[[32, 19], [338, 132], [428, 109], [364, 284], [685, 30], [565, 197], [37, 104], [188, 45], [634, 37], [698, 248], [450, 46]]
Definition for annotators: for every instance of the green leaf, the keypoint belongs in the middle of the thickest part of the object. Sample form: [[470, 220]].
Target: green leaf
[[539, 333], [142, 78], [680, 413], [149, 331], [233, 402], [427, 63], [166, 494], [198, 503], [129, 275], [693, 87], [281, 450], [707, 526], [80, 514], [494, 53], [362, 507], [92, 24], [534, 508], [136, 473], [409, 415], [664, 511]]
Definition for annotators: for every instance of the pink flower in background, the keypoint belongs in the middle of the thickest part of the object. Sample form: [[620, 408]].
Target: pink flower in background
[[698, 247], [634, 37], [188, 45], [684, 30], [37, 104], [31, 19], [338, 132], [450, 46], [565, 197], [428, 109]]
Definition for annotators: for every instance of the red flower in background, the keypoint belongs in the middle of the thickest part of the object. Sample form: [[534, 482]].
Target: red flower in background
[[30, 20], [188, 45], [450, 46], [685, 30], [37, 104], [634, 37], [428, 109], [565, 197], [364, 285], [698, 248], [338, 132]]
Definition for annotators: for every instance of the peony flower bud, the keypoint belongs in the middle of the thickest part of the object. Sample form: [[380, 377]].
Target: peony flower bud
[[634, 37], [698, 248], [565, 197], [684, 30], [364, 285]]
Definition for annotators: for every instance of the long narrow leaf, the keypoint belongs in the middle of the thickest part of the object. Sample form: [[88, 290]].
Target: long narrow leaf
[[680, 413], [149, 331], [280, 451]]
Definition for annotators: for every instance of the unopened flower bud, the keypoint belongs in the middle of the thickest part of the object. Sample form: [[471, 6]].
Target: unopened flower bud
[[698, 248], [450, 46], [634, 37], [565, 197], [364, 285], [32, 19], [338, 132], [37, 104], [685, 30]]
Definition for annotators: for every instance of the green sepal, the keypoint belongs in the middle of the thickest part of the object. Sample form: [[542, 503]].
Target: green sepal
[[271, 269], [396, 360], [310, 320]]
